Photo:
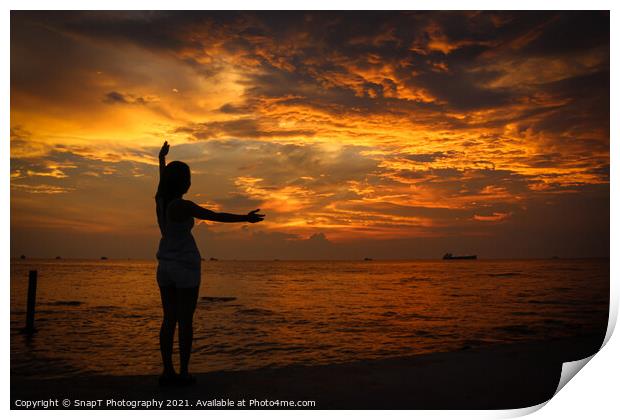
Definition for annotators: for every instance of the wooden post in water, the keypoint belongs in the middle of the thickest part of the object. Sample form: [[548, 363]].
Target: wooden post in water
[[32, 297]]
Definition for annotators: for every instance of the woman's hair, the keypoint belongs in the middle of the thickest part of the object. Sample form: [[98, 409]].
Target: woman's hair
[[175, 182], [176, 179]]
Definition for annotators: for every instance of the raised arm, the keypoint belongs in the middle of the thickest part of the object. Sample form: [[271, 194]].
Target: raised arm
[[162, 162], [199, 212]]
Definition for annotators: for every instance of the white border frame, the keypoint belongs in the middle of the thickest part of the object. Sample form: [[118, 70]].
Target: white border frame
[[593, 394]]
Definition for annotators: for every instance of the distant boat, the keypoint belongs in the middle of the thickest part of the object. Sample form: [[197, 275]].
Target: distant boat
[[104, 258], [367, 259], [212, 259], [22, 257], [449, 256], [58, 257]]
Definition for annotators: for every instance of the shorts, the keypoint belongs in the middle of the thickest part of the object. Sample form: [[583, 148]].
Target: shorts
[[178, 275]]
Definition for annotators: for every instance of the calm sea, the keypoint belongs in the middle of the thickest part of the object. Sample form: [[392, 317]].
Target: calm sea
[[103, 316]]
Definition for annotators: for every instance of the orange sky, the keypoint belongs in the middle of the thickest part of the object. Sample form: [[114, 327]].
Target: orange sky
[[399, 135]]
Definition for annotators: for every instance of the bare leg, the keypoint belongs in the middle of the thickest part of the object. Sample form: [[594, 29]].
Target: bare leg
[[186, 305], [166, 333]]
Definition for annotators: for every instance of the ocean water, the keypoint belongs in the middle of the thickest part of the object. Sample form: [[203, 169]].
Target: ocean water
[[103, 316]]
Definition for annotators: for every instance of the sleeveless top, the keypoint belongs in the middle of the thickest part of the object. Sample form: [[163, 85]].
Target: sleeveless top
[[177, 243]]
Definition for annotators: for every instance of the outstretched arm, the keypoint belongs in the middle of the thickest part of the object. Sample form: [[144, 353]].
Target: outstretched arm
[[199, 212]]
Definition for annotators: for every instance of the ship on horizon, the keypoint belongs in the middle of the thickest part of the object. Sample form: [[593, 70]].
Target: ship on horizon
[[449, 256]]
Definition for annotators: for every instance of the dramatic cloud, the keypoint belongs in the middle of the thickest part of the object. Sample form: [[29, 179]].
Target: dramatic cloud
[[382, 131], [127, 99]]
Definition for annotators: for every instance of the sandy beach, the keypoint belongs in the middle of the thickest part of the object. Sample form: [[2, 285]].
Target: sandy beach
[[493, 377]]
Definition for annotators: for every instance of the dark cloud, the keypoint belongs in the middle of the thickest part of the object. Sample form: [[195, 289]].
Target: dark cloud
[[235, 109], [426, 157], [462, 92], [114, 97], [569, 32], [295, 50], [240, 128]]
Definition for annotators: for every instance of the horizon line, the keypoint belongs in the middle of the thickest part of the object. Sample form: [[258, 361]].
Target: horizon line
[[365, 259]]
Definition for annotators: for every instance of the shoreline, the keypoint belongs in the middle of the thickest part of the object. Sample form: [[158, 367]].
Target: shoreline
[[502, 376]]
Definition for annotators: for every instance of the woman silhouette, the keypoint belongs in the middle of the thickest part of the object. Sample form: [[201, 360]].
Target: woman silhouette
[[178, 271]]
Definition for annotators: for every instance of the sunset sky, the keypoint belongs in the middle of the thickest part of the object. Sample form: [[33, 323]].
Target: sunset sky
[[359, 134]]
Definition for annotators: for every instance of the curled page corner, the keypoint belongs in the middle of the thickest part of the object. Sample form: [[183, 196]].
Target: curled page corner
[[521, 412], [613, 316], [569, 370]]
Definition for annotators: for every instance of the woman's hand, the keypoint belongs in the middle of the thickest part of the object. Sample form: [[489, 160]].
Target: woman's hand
[[164, 150], [254, 217], [162, 159]]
